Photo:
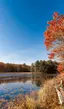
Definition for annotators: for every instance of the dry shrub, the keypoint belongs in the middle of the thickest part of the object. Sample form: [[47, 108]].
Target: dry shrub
[[23, 102], [47, 96], [30, 103], [59, 107], [18, 103], [59, 78]]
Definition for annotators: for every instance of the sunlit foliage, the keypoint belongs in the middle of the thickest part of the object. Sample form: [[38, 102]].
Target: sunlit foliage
[[54, 39]]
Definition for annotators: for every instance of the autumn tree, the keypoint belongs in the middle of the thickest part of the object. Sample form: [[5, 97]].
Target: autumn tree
[[14, 67], [54, 39]]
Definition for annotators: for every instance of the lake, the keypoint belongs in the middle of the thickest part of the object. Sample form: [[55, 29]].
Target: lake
[[11, 85]]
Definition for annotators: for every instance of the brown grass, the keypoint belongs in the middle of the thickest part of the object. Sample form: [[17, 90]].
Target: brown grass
[[47, 96]]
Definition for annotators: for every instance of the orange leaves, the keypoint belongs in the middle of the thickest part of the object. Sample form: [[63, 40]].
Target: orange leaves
[[56, 24], [48, 36], [51, 56], [55, 30], [60, 68], [47, 33], [56, 15], [54, 37], [52, 22]]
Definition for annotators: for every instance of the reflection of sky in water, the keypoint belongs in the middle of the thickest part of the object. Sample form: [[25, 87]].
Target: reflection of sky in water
[[11, 90]]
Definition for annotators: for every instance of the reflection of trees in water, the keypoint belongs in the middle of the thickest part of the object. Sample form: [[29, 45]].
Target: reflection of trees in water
[[37, 80], [11, 92], [14, 79]]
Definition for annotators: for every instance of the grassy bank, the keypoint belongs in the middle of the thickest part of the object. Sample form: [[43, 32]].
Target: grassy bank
[[45, 98]]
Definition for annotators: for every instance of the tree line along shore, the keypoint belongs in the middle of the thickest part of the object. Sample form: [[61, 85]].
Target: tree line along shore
[[47, 67]]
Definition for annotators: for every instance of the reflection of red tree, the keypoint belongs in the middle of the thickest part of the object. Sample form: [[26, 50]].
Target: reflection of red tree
[[54, 39]]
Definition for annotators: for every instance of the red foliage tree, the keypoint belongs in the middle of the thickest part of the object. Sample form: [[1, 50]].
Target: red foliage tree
[[54, 39]]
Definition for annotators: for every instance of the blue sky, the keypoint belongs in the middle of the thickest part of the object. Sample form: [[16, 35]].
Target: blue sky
[[22, 24]]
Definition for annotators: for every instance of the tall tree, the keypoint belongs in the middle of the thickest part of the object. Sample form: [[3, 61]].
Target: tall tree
[[43, 66], [37, 66], [32, 69], [54, 39]]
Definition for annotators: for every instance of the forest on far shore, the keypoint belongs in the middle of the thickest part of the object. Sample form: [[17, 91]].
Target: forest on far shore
[[39, 66]]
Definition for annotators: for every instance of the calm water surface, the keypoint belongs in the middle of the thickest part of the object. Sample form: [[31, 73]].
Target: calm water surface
[[9, 90]]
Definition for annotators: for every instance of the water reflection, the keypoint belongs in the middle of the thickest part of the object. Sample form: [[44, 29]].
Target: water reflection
[[10, 88]]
